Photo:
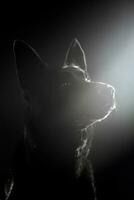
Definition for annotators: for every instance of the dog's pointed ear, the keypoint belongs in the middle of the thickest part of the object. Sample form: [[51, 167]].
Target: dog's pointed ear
[[30, 67], [75, 55]]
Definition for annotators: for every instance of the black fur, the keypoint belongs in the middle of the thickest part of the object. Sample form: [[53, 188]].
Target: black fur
[[59, 103]]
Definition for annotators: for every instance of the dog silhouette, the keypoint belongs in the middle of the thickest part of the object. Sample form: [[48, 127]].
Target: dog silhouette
[[61, 106]]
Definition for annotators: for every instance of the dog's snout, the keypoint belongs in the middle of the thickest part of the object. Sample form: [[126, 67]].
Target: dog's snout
[[111, 89], [111, 92], [108, 95], [106, 91]]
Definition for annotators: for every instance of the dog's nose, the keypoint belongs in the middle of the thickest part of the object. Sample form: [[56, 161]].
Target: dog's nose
[[111, 92], [108, 94]]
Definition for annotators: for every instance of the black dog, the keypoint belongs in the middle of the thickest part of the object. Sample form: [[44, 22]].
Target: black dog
[[60, 107]]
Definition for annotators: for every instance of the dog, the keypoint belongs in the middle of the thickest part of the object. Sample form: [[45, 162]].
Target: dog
[[61, 107]]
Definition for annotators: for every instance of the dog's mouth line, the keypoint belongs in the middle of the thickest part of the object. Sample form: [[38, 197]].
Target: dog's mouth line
[[79, 125]]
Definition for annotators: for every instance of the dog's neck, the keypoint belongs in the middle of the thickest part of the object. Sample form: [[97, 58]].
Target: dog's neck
[[61, 164]]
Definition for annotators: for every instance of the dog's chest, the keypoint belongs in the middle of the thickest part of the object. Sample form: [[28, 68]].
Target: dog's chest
[[40, 175], [54, 148]]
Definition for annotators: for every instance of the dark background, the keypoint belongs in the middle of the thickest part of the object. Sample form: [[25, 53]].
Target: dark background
[[105, 30]]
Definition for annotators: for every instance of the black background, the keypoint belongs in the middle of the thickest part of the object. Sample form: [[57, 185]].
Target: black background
[[49, 28]]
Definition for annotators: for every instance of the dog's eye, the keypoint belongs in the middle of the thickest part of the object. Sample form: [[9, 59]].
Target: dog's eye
[[65, 84]]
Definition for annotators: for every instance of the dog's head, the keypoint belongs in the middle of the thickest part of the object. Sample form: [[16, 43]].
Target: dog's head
[[60, 101]]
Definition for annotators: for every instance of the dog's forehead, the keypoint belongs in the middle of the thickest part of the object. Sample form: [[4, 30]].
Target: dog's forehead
[[60, 76], [70, 74]]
